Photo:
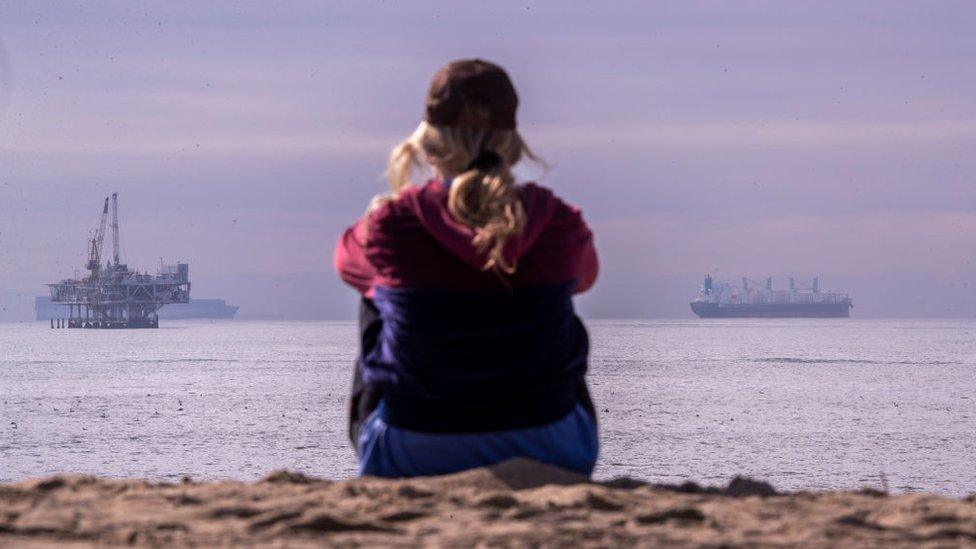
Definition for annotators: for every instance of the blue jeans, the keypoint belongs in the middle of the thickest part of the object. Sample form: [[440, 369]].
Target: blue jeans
[[388, 451]]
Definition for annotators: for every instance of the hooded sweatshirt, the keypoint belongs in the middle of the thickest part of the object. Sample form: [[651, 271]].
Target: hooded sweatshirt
[[461, 349]]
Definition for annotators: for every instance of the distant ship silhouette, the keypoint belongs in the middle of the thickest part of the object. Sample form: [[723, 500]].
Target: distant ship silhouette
[[759, 300]]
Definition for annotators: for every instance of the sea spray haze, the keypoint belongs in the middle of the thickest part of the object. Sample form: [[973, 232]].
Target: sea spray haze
[[754, 137]]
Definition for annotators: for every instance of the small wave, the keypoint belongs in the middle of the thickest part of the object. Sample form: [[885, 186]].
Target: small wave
[[798, 360], [174, 361], [931, 363]]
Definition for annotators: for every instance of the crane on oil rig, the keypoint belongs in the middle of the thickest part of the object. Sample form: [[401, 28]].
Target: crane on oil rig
[[94, 264], [115, 229]]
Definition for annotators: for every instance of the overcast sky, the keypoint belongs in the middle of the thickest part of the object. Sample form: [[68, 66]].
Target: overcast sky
[[750, 137]]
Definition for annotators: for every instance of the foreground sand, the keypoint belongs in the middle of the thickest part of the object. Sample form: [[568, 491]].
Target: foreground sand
[[516, 503]]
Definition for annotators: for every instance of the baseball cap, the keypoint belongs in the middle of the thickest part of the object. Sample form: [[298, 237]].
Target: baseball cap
[[472, 93]]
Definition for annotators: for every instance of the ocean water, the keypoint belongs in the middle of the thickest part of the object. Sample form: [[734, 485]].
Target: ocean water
[[805, 404]]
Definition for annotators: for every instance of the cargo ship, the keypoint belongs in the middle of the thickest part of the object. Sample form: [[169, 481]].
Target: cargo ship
[[760, 300], [199, 308]]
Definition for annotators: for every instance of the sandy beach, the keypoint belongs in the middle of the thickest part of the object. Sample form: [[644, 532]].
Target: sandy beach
[[515, 503]]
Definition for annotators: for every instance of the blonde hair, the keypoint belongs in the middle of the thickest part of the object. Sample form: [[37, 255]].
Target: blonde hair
[[486, 201]]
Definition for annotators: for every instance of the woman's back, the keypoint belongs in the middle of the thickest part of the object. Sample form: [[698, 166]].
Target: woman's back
[[462, 348], [471, 350]]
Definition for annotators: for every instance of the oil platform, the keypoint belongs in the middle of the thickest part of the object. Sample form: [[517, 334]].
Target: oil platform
[[113, 296]]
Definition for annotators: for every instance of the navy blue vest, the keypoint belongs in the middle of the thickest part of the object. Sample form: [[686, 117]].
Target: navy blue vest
[[464, 362]]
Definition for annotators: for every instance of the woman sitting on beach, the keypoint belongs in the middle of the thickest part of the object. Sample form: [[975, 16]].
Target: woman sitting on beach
[[471, 350]]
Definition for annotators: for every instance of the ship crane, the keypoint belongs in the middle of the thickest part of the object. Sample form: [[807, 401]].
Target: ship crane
[[813, 285], [767, 283], [94, 264]]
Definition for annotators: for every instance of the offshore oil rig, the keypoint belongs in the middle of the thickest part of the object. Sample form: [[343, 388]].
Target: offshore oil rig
[[114, 296]]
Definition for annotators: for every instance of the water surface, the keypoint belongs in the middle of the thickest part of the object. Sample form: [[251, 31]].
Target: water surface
[[806, 404]]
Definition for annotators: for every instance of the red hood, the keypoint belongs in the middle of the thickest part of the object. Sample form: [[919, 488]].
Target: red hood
[[429, 204]]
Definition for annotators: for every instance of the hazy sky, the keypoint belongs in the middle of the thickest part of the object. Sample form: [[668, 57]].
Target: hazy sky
[[752, 137]]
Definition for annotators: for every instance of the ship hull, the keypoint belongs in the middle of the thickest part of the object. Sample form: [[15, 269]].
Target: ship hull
[[773, 310], [171, 312]]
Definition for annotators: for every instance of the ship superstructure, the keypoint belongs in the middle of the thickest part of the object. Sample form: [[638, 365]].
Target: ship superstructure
[[114, 296], [759, 300]]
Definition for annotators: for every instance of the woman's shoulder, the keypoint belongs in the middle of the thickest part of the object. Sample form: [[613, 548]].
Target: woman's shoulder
[[541, 201], [532, 190], [435, 194], [405, 214], [418, 206], [391, 206]]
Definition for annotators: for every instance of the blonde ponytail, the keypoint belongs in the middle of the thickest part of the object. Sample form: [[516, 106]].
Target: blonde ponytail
[[485, 199], [404, 160], [488, 202]]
